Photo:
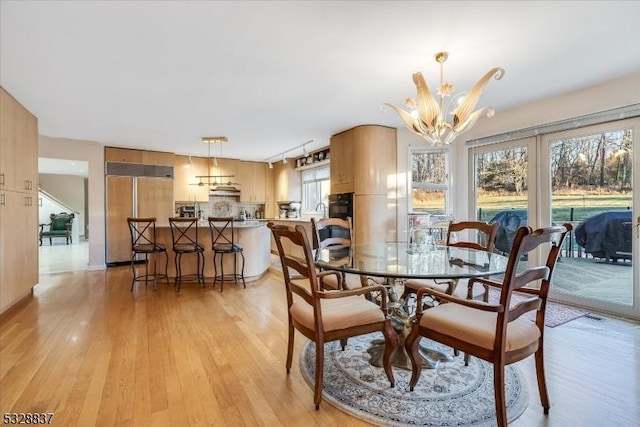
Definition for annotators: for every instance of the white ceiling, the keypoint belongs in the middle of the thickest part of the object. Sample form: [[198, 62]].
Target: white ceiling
[[271, 75]]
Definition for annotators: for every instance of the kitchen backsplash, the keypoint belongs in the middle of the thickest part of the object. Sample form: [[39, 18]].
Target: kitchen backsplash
[[225, 206]]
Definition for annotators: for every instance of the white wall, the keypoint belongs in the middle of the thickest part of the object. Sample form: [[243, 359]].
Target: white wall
[[93, 153]]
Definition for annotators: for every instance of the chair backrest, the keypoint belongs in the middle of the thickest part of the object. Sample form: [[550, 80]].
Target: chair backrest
[[222, 234], [181, 233], [331, 231], [482, 235], [526, 241], [296, 239], [143, 232], [61, 221]]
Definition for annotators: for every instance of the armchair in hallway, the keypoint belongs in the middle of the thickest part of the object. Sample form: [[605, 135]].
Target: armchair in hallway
[[60, 225]]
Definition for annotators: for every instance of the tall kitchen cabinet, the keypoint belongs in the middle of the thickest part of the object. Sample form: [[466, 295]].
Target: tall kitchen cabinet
[[364, 162], [18, 201], [134, 190]]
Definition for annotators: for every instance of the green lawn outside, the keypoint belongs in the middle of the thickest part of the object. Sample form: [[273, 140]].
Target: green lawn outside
[[584, 206]]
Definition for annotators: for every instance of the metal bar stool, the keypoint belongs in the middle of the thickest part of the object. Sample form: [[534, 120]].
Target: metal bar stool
[[222, 241], [143, 241], [184, 233]]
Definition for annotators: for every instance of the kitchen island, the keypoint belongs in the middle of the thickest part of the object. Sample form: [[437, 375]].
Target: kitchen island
[[253, 236]]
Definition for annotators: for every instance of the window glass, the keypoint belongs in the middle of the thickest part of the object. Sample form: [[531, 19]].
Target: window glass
[[315, 189], [429, 181], [502, 191]]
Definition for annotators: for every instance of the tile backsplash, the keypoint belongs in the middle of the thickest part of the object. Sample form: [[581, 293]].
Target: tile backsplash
[[225, 206]]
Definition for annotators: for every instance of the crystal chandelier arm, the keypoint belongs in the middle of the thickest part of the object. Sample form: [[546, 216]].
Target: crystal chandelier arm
[[461, 114]]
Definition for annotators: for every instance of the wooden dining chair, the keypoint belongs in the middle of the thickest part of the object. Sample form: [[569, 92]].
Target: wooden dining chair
[[324, 315], [464, 234], [496, 332], [328, 232]]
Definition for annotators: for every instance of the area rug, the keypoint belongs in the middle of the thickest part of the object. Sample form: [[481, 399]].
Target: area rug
[[450, 395], [555, 314]]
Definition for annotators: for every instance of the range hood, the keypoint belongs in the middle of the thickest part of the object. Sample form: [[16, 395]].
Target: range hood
[[224, 191]]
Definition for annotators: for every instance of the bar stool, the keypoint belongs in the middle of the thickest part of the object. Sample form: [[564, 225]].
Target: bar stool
[[185, 241], [222, 241], [143, 241]]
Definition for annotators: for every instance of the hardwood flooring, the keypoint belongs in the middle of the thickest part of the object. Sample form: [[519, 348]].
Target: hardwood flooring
[[91, 352]]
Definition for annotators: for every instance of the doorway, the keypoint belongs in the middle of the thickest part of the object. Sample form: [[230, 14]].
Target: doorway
[[582, 176], [589, 175], [63, 188]]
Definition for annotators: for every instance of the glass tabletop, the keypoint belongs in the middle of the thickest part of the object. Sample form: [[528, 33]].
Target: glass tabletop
[[401, 260]]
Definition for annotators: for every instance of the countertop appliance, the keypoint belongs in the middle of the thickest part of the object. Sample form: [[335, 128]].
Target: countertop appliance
[[289, 209], [187, 211]]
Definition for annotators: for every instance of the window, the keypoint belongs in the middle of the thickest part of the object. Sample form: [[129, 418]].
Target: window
[[315, 188], [429, 181], [501, 181]]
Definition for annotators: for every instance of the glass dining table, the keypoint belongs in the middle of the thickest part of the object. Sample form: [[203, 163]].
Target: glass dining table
[[391, 263]]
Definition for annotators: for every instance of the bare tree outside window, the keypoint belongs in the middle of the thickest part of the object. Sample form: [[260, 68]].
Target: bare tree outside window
[[429, 175], [591, 174]]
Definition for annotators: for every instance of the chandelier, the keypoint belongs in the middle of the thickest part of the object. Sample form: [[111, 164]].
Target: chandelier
[[429, 118]]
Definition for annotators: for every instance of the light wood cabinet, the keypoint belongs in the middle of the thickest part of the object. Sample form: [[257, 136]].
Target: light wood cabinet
[[363, 160], [270, 205], [288, 183], [19, 148], [157, 158], [227, 169], [342, 162], [112, 154], [252, 177], [8, 141], [18, 201], [374, 218], [154, 199], [186, 186]]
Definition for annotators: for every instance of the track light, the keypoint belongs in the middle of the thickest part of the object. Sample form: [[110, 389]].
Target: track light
[[270, 165], [305, 151]]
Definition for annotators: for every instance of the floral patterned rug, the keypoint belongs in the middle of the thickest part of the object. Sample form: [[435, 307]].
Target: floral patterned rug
[[449, 395]]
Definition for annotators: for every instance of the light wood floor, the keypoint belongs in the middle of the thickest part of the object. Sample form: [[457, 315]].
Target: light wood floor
[[93, 353]]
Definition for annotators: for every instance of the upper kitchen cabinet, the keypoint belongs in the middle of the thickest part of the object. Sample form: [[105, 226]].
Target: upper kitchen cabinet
[[342, 162], [157, 158], [7, 141], [125, 155], [19, 147], [226, 171], [363, 160], [252, 177], [186, 187], [287, 183]]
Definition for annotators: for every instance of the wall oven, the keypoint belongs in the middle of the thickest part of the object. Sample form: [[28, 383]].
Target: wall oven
[[341, 205]]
